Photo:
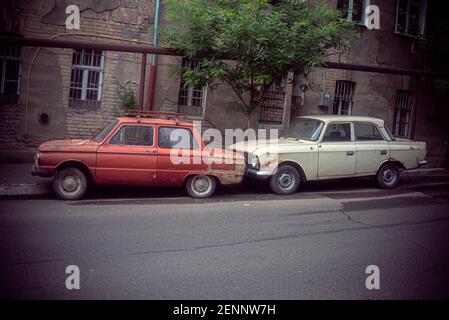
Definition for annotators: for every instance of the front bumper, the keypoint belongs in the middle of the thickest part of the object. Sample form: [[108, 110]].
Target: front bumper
[[36, 171], [256, 174]]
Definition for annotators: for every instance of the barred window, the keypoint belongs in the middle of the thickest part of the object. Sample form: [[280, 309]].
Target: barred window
[[86, 81], [191, 98], [272, 104], [344, 94], [410, 17], [402, 113], [10, 69]]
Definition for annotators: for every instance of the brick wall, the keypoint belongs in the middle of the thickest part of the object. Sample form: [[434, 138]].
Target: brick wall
[[128, 19]]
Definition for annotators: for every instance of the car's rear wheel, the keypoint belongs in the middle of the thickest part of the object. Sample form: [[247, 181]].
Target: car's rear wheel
[[200, 186], [70, 184], [286, 180], [388, 176]]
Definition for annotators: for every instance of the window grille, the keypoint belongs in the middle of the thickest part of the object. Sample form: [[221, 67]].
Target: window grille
[[402, 113], [344, 94]]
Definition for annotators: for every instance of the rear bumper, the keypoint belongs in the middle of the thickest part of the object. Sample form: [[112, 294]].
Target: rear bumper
[[35, 171], [256, 174], [422, 163]]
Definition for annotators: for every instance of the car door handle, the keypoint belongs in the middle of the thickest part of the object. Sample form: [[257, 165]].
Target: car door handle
[[350, 153], [383, 152], [151, 151]]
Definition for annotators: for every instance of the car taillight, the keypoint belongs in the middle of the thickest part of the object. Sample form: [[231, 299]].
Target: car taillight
[[36, 157]]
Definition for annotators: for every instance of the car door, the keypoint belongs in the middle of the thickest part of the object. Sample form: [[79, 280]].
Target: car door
[[336, 151], [129, 156], [371, 148], [179, 154]]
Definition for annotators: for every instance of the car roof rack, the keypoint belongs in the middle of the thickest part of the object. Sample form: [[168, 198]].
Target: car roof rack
[[156, 114]]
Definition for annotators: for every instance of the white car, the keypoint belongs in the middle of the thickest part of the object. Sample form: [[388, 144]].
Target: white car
[[329, 147]]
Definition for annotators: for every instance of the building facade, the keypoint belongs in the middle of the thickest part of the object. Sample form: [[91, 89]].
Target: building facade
[[73, 93]]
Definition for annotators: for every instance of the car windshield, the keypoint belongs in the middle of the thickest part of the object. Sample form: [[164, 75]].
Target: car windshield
[[100, 137], [305, 129]]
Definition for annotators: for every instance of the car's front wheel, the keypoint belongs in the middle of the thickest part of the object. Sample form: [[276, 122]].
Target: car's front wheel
[[200, 186], [388, 176], [285, 181], [70, 184]]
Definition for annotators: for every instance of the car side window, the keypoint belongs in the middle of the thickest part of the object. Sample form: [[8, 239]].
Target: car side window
[[173, 137], [336, 132], [133, 136], [367, 132]]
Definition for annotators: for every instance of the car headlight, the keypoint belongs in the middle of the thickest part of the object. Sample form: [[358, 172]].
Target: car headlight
[[253, 161]]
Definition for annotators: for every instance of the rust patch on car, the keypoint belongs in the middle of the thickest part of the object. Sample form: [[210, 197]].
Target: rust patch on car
[[227, 176]]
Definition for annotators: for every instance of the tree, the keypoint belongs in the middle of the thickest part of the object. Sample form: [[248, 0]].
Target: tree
[[249, 44]]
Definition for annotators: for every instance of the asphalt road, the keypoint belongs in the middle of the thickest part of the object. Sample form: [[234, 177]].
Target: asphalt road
[[136, 243]]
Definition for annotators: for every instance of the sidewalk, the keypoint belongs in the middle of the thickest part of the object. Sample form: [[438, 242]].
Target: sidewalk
[[16, 179]]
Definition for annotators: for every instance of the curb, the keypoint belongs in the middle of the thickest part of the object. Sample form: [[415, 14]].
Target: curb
[[425, 172], [44, 188], [25, 189]]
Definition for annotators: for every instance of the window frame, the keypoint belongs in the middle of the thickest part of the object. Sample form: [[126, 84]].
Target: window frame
[[4, 59], [366, 3], [131, 145], [372, 124], [85, 76], [398, 113], [190, 89], [351, 130], [194, 143], [422, 19]]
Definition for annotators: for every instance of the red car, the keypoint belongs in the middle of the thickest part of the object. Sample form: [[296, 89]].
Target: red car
[[139, 150]]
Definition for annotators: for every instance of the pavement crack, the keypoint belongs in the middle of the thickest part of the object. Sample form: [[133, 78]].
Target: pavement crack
[[350, 218], [364, 226]]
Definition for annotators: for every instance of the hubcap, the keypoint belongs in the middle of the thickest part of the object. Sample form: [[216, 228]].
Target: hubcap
[[389, 176], [70, 184], [285, 181], [201, 184]]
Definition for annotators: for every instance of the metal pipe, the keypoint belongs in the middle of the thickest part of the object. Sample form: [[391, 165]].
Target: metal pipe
[[70, 44], [151, 87], [143, 68], [156, 30], [138, 48], [153, 67]]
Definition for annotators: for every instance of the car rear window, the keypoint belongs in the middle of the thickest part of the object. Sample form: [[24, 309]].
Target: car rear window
[[367, 132], [175, 137]]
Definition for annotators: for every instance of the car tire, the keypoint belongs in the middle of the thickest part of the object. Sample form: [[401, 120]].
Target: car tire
[[286, 180], [200, 186], [70, 184], [388, 176]]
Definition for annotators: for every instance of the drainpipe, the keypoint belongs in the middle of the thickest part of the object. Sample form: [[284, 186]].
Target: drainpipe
[[143, 67], [153, 65]]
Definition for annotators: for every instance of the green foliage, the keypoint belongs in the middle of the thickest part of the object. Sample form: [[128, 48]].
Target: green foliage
[[127, 99], [248, 44]]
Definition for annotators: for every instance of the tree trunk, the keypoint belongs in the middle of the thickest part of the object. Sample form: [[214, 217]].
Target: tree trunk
[[248, 121]]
